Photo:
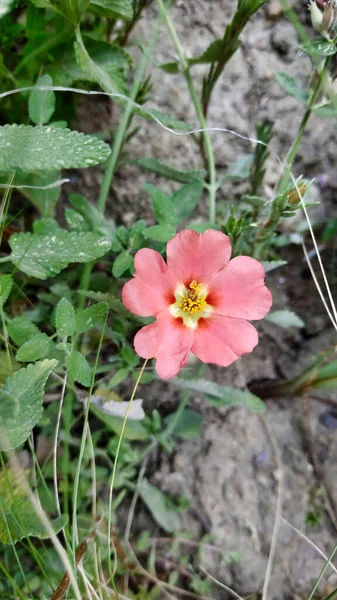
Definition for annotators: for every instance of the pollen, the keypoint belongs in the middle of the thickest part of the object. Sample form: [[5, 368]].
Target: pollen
[[194, 301]]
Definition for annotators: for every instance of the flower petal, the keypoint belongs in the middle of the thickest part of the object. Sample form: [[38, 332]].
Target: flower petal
[[191, 255], [238, 290], [222, 340], [168, 341], [150, 290]]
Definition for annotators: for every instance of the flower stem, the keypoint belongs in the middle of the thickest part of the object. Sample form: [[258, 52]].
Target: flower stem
[[198, 110], [294, 149]]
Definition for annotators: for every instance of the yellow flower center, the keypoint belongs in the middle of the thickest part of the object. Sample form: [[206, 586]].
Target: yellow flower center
[[194, 301], [191, 304]]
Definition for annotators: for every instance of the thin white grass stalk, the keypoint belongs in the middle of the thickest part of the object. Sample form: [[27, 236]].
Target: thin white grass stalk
[[116, 459], [321, 575], [220, 584], [318, 287], [55, 184], [317, 251], [311, 543], [15, 465], [94, 503], [57, 429], [278, 510]]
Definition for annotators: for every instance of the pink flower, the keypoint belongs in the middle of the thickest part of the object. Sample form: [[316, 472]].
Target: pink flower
[[200, 299]]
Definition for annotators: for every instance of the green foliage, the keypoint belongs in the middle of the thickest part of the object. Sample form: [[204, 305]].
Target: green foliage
[[65, 319], [21, 330], [292, 87], [114, 9], [90, 317], [285, 318], [320, 47], [222, 395], [43, 256], [156, 166], [39, 346], [41, 104], [45, 148], [79, 368], [161, 507], [21, 402], [6, 284]]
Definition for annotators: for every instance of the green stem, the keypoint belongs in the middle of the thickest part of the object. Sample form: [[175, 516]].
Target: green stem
[[44, 48], [123, 125], [294, 149], [198, 110], [319, 579]]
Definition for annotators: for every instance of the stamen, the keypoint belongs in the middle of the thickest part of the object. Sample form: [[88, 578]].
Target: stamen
[[194, 301]]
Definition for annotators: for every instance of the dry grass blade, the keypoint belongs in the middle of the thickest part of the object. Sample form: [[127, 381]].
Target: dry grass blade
[[66, 579]]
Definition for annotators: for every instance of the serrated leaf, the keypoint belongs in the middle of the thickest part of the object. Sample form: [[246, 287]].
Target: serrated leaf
[[79, 368], [222, 395], [155, 166], [122, 263], [320, 47], [19, 519], [291, 86], [185, 200], [21, 329], [6, 284], [46, 148], [44, 256], [25, 388], [285, 318], [65, 319], [41, 103], [162, 205], [160, 233], [114, 9], [37, 347], [160, 506], [89, 317]]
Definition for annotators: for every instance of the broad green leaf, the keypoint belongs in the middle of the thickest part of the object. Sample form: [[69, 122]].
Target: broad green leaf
[[41, 103], [90, 317], [155, 166], [24, 391], [37, 347], [46, 148], [111, 82], [114, 9], [44, 256], [271, 265], [320, 47], [162, 205], [119, 376], [122, 263], [330, 230], [222, 395], [328, 110], [65, 319], [90, 214], [6, 283], [285, 318], [185, 200], [325, 376], [160, 506], [291, 86], [75, 221], [8, 364], [188, 425], [79, 368], [43, 199], [21, 330], [18, 517], [160, 233]]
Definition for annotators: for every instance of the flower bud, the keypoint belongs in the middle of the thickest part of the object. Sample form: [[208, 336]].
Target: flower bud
[[294, 196], [316, 15], [329, 18]]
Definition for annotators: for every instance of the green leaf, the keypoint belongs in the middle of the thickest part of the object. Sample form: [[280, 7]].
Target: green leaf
[[155, 166], [328, 110], [75, 221], [6, 283], [90, 214], [222, 395], [7, 365], [211, 55], [270, 265], [21, 330], [79, 368], [291, 86], [186, 199], [90, 317], [111, 82], [201, 227], [44, 256], [41, 103], [285, 318], [23, 390], [43, 199], [72, 10], [330, 230], [134, 430], [162, 205], [113, 9], [37, 347], [45, 148], [18, 517], [160, 233], [122, 263], [320, 47], [188, 425], [65, 319], [160, 506], [119, 376]]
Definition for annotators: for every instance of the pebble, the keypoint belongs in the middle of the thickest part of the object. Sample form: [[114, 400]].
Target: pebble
[[274, 9]]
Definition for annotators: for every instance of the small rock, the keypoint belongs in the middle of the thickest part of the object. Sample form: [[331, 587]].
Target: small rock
[[274, 9]]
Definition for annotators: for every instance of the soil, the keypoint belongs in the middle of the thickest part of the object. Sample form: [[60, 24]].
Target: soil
[[230, 474]]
